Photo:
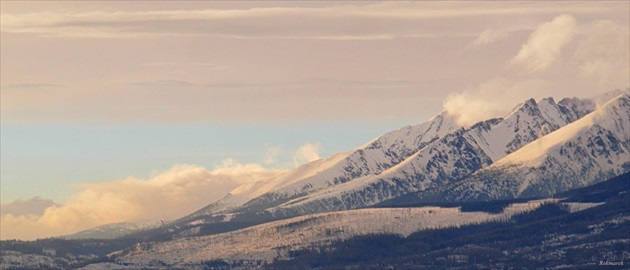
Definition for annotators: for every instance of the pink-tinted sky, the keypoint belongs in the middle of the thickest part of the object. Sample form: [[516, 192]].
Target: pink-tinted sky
[[99, 91]]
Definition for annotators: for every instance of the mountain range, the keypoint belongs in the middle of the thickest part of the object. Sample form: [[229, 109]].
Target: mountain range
[[440, 160], [416, 178], [438, 154]]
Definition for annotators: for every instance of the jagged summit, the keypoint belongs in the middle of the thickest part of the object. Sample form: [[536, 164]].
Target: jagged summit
[[585, 152], [443, 161], [589, 150]]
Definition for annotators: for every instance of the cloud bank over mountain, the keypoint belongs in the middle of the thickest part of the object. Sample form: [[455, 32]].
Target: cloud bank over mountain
[[165, 196]]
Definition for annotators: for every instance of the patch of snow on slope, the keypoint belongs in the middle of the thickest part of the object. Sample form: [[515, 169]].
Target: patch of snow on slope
[[271, 240], [111, 231]]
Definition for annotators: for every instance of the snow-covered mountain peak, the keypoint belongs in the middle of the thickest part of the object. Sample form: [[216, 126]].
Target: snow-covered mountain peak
[[526, 122], [507, 134], [408, 159], [615, 110], [376, 156], [415, 135], [448, 159], [523, 106], [591, 149], [304, 171], [548, 100], [247, 191], [372, 158]]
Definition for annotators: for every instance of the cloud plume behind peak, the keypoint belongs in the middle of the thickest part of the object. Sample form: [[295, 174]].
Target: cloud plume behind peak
[[491, 99], [545, 44]]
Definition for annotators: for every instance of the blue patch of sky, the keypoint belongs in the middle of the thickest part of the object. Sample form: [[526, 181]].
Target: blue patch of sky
[[49, 159]]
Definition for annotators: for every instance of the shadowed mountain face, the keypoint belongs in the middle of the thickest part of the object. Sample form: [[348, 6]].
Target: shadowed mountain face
[[370, 159], [445, 158], [590, 150], [427, 160], [451, 158]]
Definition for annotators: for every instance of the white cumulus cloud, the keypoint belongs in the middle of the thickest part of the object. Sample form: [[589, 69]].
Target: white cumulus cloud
[[168, 195], [306, 153], [545, 44]]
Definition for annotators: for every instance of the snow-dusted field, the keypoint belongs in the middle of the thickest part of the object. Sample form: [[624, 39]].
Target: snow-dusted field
[[268, 241]]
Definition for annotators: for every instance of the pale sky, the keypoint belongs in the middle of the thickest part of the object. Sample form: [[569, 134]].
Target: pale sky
[[101, 91]]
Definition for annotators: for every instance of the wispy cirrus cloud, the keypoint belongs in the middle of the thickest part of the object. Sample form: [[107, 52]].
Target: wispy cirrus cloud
[[335, 21], [160, 83], [17, 86], [207, 65], [240, 65], [187, 101]]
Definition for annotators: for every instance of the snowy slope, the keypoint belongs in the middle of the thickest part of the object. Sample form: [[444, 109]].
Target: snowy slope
[[448, 159], [245, 192], [271, 240], [115, 230], [587, 151], [369, 159], [389, 166]]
